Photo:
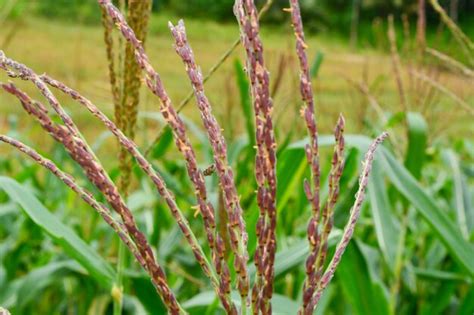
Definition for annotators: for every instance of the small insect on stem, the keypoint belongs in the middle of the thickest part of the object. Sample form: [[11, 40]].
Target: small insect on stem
[[209, 170]]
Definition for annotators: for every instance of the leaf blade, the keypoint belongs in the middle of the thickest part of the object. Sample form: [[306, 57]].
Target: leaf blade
[[64, 236]]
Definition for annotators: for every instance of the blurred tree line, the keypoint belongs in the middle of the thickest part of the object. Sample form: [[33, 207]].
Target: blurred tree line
[[320, 15]]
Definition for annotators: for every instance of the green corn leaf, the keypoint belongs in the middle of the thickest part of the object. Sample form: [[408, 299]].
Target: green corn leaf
[[440, 275], [386, 225], [325, 301], [465, 217], [467, 304], [316, 66], [146, 294], [31, 285], [290, 170], [133, 305], [291, 167], [163, 144], [99, 304], [192, 129], [245, 100], [281, 305], [364, 294], [64, 236], [417, 140], [235, 149], [440, 222], [21, 292], [441, 299], [296, 254], [396, 119], [447, 230]]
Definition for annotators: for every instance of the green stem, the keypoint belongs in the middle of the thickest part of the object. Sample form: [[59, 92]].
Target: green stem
[[118, 288]]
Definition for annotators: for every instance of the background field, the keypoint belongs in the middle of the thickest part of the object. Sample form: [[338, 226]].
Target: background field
[[413, 249]]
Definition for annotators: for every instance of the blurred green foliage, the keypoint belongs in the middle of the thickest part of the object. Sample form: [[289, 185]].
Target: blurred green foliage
[[216, 9], [319, 15], [81, 10], [433, 213]]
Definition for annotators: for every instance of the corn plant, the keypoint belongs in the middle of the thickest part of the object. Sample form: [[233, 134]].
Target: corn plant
[[255, 294], [125, 83]]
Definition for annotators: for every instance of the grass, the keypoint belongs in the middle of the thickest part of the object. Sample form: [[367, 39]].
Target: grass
[[36, 43]]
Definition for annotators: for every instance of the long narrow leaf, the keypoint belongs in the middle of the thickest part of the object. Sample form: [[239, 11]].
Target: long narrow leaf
[[245, 100], [461, 203], [386, 228], [32, 284], [365, 294], [65, 237], [447, 230], [417, 140]]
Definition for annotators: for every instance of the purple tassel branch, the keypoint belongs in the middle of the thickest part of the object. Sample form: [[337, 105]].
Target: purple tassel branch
[[256, 294]]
